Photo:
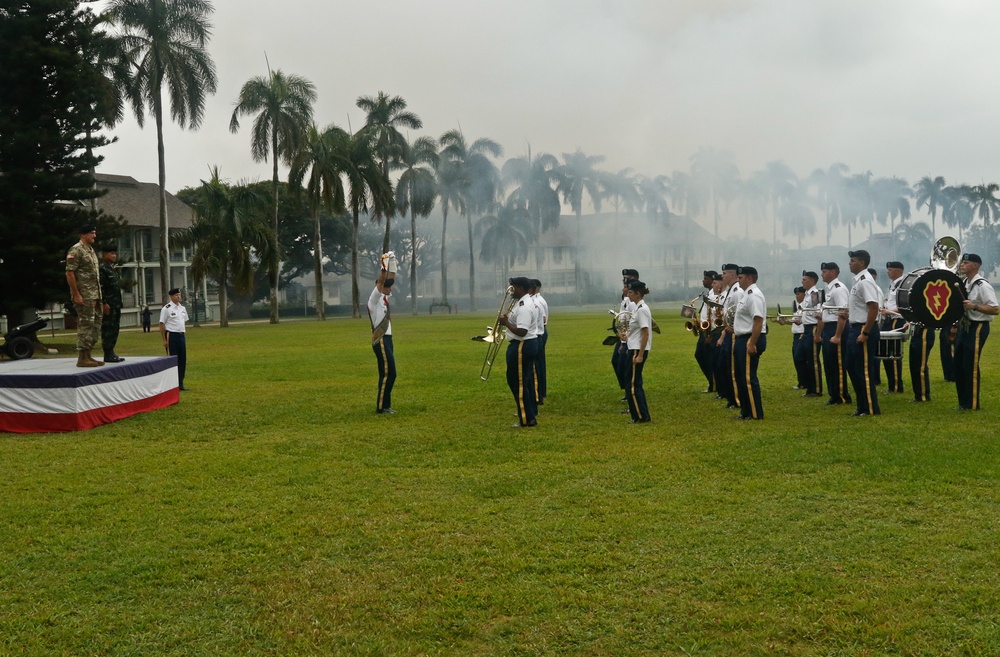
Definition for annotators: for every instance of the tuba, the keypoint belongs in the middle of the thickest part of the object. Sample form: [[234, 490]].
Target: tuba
[[945, 254], [495, 334]]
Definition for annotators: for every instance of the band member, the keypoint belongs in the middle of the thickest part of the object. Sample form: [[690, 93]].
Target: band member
[[877, 372], [714, 331], [522, 348], [891, 320], [702, 349], [947, 352], [811, 345], [640, 340], [980, 308], [621, 350], [863, 334], [750, 342], [378, 315], [832, 327], [725, 372], [543, 338], [798, 331], [921, 343]]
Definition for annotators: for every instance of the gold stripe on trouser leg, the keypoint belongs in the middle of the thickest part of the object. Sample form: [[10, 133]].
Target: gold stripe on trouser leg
[[922, 375], [385, 373], [522, 411], [817, 368], [868, 383], [975, 370], [732, 370], [635, 399], [753, 404], [841, 372], [534, 377]]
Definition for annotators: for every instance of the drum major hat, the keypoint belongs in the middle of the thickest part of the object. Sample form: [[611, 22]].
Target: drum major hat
[[972, 257]]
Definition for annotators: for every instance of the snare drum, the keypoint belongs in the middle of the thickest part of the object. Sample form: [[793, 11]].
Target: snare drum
[[931, 297], [890, 345]]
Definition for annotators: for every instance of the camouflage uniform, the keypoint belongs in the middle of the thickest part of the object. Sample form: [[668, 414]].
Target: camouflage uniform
[[82, 260], [112, 292]]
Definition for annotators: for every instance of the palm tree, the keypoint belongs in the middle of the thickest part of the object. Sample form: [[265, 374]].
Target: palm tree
[[230, 234], [386, 114], [111, 61], [448, 176], [859, 207], [320, 155], [370, 192], [653, 194], [984, 202], [578, 176], [166, 41], [535, 180], [957, 209], [283, 105], [751, 202], [830, 192], [479, 180], [621, 191], [777, 178], [891, 199], [795, 212], [714, 177], [415, 193], [506, 236], [930, 192]]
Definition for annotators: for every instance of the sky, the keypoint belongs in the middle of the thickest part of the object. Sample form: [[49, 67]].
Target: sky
[[897, 87]]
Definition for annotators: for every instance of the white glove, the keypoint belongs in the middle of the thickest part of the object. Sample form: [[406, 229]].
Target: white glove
[[392, 262]]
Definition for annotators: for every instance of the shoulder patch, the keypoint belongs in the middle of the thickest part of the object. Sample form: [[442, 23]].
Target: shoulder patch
[[520, 303], [749, 291]]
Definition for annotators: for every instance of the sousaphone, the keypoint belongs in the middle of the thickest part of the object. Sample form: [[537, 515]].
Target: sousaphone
[[932, 296]]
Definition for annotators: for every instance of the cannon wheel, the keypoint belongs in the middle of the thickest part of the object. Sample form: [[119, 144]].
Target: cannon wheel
[[20, 347]]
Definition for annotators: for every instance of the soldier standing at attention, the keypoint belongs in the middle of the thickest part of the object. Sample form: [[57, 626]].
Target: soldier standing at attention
[[833, 329], [172, 330], [980, 308], [85, 289], [862, 334], [112, 293], [891, 320]]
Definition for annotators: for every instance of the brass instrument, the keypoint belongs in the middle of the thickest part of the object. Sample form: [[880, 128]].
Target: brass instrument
[[622, 320], [495, 334], [945, 254], [697, 327]]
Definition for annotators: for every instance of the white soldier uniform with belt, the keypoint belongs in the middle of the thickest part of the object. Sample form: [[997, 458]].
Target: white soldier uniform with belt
[[980, 308]]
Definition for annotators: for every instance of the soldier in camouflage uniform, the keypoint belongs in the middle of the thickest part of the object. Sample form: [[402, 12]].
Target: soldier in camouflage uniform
[[85, 289], [111, 290]]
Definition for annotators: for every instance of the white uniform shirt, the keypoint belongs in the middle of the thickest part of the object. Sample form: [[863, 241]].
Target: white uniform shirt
[[863, 292], [810, 306], [836, 295], [641, 318], [172, 316], [797, 320], [982, 294], [752, 304], [539, 326], [378, 308], [713, 314], [704, 314], [522, 315], [733, 296], [890, 299]]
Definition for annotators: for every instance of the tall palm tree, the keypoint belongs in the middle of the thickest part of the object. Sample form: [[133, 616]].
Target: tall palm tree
[[653, 193], [386, 114], [859, 208], [415, 193], [448, 177], [777, 178], [579, 177], [370, 192], [110, 59], [230, 235], [284, 107], [166, 40], [506, 235], [535, 181], [751, 202], [479, 180], [891, 198], [829, 184], [985, 204], [957, 210], [320, 155], [930, 192], [795, 213], [714, 176]]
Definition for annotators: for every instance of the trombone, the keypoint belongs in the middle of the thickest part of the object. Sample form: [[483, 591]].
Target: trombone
[[495, 334]]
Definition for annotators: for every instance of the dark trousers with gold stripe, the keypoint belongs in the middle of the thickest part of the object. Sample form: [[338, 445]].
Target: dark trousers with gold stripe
[[386, 372], [968, 349], [921, 343], [947, 346], [635, 393], [521, 378], [725, 373], [541, 384], [747, 384], [893, 366], [807, 358], [703, 356], [862, 366], [835, 365]]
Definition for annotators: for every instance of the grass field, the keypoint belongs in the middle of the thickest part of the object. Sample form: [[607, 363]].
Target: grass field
[[272, 512]]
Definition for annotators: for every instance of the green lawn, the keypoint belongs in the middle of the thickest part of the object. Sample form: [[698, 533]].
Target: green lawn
[[272, 512]]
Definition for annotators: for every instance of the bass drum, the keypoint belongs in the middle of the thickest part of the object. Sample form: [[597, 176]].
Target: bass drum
[[931, 297]]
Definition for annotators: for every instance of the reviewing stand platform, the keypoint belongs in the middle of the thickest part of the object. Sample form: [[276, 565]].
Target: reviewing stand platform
[[53, 394]]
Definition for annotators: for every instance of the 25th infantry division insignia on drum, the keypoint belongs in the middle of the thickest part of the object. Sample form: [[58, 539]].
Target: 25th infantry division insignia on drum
[[938, 296]]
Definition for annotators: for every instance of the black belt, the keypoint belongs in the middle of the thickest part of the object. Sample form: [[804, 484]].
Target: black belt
[[857, 323]]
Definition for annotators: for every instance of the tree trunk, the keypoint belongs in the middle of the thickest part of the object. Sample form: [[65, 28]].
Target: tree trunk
[[472, 265], [272, 270], [413, 255], [444, 259], [164, 229], [318, 257], [355, 294], [223, 297], [576, 261]]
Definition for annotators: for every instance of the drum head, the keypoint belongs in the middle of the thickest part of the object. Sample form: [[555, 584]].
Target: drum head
[[932, 297]]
